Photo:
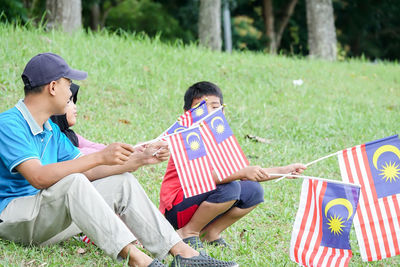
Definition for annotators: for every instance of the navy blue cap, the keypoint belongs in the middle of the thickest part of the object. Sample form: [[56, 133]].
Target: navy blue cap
[[47, 67]]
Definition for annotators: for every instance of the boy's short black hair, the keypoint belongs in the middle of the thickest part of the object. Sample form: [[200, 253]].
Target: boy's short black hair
[[199, 90]]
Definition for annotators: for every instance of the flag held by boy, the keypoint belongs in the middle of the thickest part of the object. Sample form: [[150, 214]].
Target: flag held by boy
[[222, 147], [193, 166], [376, 167], [194, 114], [320, 235]]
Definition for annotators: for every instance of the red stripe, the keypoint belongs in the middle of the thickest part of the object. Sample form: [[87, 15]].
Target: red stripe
[[313, 220], [341, 256], [333, 254], [348, 258], [210, 145], [303, 223], [323, 255], [397, 208], [226, 161], [319, 237], [391, 225], [238, 157], [178, 161], [210, 152], [375, 197], [367, 206], [359, 213], [181, 165], [188, 174]]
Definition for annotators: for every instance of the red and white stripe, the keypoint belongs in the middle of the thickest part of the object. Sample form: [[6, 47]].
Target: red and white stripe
[[195, 175], [305, 247], [186, 119], [226, 157], [377, 220]]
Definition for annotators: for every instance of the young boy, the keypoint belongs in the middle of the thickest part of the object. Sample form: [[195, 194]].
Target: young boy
[[209, 214]]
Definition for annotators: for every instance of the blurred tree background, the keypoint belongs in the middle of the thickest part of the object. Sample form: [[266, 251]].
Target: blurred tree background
[[364, 28]]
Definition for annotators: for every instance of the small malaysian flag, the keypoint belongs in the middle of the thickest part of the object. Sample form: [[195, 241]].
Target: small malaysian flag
[[376, 167], [320, 235], [222, 147], [194, 114], [191, 161]]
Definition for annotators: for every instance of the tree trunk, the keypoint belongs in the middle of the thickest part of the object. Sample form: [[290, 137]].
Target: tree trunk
[[95, 17], [64, 14], [269, 21], [227, 27], [287, 13], [321, 29], [210, 24]]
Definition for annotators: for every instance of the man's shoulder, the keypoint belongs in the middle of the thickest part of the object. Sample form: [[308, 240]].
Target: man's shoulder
[[11, 117]]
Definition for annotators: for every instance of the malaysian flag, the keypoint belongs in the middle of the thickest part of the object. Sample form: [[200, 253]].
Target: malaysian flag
[[222, 147], [191, 161], [194, 114], [320, 235], [376, 167]]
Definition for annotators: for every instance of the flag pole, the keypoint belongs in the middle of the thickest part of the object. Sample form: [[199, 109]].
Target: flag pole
[[314, 178], [310, 163]]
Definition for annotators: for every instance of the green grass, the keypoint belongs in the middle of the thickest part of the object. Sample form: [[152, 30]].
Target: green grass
[[340, 104]]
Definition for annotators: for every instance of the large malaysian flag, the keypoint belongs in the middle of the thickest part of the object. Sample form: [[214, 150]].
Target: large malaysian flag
[[376, 167]]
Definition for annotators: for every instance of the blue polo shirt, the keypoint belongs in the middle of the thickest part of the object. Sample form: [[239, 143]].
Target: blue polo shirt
[[21, 139]]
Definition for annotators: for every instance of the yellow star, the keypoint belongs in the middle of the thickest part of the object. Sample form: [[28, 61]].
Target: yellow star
[[220, 128], [199, 112], [336, 225], [194, 145], [390, 171]]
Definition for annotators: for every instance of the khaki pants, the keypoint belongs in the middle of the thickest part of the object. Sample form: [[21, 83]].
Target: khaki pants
[[111, 211]]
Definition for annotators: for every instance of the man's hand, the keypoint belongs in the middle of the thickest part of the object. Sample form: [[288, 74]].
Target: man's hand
[[116, 154], [254, 173]]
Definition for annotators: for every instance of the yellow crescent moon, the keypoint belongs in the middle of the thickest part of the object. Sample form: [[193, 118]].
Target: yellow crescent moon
[[339, 201], [189, 135], [216, 118], [178, 129], [381, 150]]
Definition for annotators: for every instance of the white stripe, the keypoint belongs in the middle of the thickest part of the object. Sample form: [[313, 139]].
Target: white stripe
[[237, 156], [313, 245], [299, 216], [19, 162], [356, 221], [371, 201], [342, 261], [188, 190], [307, 226], [362, 208]]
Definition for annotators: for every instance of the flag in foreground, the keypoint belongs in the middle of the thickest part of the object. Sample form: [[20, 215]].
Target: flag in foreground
[[222, 147], [376, 167], [320, 235], [194, 114], [191, 161]]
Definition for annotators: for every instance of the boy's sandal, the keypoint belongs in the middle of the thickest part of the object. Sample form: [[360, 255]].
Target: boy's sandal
[[220, 242], [194, 242]]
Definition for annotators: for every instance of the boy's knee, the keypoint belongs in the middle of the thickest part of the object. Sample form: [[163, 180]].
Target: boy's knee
[[252, 194], [227, 192]]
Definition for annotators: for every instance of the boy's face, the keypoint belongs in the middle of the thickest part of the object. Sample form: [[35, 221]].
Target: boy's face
[[213, 102]]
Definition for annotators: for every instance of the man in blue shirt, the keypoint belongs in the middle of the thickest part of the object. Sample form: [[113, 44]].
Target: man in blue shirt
[[47, 186]]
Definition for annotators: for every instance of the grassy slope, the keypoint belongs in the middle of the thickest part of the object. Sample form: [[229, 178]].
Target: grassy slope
[[339, 105]]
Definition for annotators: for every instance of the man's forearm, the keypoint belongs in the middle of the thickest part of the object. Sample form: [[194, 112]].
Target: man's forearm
[[105, 170]]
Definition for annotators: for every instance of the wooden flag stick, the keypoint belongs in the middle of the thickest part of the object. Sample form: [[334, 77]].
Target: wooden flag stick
[[314, 178], [310, 163]]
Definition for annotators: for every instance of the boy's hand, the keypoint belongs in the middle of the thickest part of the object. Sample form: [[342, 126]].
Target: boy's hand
[[254, 173], [295, 169], [116, 154]]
